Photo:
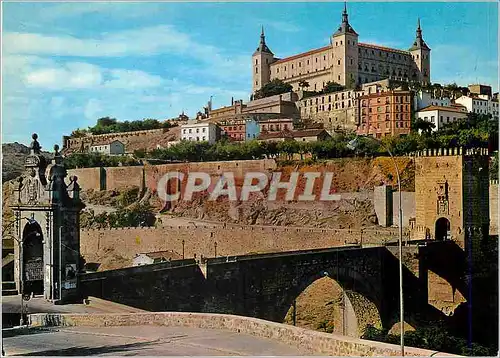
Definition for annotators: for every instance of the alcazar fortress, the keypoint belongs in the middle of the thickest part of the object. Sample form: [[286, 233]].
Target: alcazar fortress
[[345, 61]]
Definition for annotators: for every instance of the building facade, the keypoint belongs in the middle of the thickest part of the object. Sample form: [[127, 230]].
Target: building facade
[[304, 135], [423, 99], [235, 130], [276, 125], [114, 148], [200, 132], [440, 115], [480, 104], [345, 61], [384, 114]]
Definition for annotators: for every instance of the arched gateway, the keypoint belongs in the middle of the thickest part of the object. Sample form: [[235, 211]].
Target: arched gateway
[[47, 229]]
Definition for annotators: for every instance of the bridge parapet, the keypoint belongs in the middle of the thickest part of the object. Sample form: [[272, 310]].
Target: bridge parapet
[[311, 341]]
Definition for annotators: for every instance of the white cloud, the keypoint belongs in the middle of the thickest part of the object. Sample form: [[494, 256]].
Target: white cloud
[[129, 80], [72, 75]]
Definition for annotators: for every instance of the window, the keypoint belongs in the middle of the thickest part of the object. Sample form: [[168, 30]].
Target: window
[[184, 131], [203, 130], [324, 58], [256, 61], [292, 66], [339, 77], [190, 131], [256, 70], [338, 63], [197, 130]]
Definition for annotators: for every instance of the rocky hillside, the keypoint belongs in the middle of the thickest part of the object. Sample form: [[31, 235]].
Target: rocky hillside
[[13, 155]]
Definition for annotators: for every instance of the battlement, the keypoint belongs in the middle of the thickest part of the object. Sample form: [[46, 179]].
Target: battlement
[[493, 181], [442, 152]]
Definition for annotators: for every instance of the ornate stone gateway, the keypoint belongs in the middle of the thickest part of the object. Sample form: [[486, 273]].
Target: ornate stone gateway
[[47, 228]]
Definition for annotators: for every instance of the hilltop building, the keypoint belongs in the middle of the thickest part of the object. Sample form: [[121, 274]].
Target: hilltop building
[[384, 114], [345, 61], [200, 131], [481, 101], [441, 115]]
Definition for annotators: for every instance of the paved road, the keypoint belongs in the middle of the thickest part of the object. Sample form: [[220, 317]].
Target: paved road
[[12, 304], [143, 341]]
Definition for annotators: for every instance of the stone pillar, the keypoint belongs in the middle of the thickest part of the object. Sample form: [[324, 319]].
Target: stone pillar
[[382, 200]]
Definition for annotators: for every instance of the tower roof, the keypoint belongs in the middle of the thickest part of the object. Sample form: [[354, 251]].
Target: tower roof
[[345, 27], [262, 45], [419, 41]]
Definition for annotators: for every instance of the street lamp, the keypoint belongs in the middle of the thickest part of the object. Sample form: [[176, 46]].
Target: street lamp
[[353, 145]]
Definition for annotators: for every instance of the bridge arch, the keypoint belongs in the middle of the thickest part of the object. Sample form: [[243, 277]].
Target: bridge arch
[[32, 259], [358, 303]]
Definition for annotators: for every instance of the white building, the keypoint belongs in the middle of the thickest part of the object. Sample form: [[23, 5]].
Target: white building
[[149, 258], [480, 104], [114, 148], [424, 99], [200, 132], [440, 115]]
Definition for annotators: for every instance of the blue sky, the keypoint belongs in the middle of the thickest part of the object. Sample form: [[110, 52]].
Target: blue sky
[[67, 64]]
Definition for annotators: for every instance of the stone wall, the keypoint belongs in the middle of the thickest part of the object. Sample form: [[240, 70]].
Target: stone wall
[[167, 286], [408, 200], [493, 207], [226, 239], [313, 342], [88, 178], [147, 139]]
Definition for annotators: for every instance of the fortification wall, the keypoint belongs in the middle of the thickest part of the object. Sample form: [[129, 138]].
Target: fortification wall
[[493, 207], [88, 178], [123, 177], [147, 139], [218, 240]]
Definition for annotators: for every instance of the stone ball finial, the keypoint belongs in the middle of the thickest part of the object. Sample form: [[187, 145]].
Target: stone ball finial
[[34, 136]]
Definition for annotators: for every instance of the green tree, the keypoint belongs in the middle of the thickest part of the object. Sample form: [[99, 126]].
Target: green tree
[[424, 126], [272, 88], [332, 87], [303, 84]]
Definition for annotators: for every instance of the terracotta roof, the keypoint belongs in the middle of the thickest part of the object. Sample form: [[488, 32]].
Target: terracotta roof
[[384, 48], [292, 134], [441, 108], [311, 52]]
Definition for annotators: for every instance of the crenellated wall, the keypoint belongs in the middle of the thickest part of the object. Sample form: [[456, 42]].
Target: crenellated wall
[[220, 240]]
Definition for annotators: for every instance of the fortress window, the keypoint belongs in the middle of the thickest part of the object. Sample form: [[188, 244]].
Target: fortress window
[[300, 64], [338, 62], [340, 43], [351, 61], [256, 83], [292, 66], [277, 70], [316, 60], [348, 42], [256, 70], [339, 77], [417, 57], [336, 43], [256, 61], [324, 58], [285, 68], [307, 61]]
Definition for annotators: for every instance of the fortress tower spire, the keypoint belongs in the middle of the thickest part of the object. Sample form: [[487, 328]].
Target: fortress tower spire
[[421, 57], [261, 61], [345, 27], [262, 45]]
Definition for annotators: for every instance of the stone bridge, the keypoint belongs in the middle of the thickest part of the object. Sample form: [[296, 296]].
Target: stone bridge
[[266, 285]]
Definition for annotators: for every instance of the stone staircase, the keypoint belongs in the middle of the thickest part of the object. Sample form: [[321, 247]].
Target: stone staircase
[[9, 288]]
